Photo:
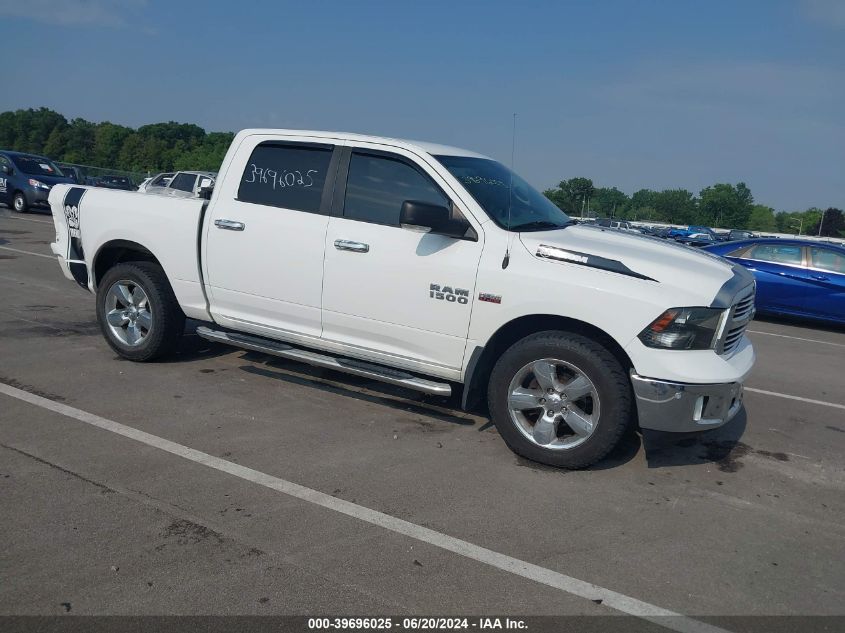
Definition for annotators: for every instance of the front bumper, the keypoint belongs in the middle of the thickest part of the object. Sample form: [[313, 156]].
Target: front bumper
[[37, 197], [681, 407]]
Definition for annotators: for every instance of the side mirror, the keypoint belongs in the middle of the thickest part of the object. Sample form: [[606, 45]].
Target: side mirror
[[431, 218], [5, 169], [205, 189], [205, 182]]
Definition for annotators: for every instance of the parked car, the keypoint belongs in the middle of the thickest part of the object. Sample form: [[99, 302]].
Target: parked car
[[26, 179], [159, 180], [697, 239], [794, 277], [112, 182], [738, 234], [621, 225], [182, 184], [416, 265]]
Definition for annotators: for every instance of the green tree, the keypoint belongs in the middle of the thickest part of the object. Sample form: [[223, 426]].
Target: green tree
[[609, 202], [676, 206], [832, 224], [725, 206], [762, 218]]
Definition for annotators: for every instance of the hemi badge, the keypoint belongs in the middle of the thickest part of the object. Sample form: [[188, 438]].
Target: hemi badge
[[484, 296]]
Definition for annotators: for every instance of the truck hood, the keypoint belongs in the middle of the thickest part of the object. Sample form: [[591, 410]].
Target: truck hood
[[689, 271]]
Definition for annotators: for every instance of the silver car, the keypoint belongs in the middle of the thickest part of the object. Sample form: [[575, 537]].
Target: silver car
[[181, 184]]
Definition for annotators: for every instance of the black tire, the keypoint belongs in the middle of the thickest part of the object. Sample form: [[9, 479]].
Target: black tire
[[167, 318], [19, 202], [612, 386]]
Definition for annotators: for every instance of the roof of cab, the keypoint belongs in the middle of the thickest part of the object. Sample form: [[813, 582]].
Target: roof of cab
[[425, 147]]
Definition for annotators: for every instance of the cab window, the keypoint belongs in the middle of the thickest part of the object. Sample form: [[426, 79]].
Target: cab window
[[377, 186], [286, 176], [825, 259], [184, 182], [776, 253]]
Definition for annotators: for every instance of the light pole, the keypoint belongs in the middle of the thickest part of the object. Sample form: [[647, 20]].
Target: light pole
[[821, 222], [800, 226]]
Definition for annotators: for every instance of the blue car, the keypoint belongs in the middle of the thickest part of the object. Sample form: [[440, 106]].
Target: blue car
[[794, 277], [26, 180]]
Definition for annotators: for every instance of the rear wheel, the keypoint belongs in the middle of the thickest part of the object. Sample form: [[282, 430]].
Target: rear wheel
[[19, 202], [138, 312], [560, 399]]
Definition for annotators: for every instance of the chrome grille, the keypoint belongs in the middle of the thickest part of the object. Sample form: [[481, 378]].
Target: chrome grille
[[739, 317]]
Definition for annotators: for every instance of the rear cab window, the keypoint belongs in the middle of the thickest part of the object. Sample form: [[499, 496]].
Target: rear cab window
[[287, 175], [184, 182]]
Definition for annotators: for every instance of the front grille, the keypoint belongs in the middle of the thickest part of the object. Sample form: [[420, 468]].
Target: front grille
[[739, 317]]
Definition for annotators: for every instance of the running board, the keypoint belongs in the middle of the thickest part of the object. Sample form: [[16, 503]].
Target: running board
[[348, 365]]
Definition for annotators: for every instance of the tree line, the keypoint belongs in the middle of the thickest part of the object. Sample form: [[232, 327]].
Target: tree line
[[172, 146], [722, 205], [150, 148]]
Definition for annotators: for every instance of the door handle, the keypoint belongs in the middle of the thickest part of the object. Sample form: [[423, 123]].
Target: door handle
[[229, 225], [349, 245], [820, 277]]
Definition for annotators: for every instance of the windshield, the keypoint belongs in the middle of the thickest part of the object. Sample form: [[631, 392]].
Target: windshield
[[489, 183], [36, 166]]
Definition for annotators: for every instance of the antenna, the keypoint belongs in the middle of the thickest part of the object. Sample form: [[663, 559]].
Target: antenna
[[507, 258]]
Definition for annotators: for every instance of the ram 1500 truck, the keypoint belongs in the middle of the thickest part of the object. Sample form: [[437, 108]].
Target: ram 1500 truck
[[425, 266]]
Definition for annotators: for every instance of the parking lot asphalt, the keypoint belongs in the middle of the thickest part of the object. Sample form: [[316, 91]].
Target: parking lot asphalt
[[744, 520]]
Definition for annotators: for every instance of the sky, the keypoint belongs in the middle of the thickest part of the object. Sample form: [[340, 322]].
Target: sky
[[631, 93]]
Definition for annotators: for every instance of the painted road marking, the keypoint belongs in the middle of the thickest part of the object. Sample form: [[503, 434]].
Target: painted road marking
[[17, 250], [797, 338], [788, 397], [503, 562]]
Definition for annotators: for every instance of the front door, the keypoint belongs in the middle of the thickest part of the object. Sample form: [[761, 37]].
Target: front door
[[5, 186], [393, 294], [781, 276], [266, 236]]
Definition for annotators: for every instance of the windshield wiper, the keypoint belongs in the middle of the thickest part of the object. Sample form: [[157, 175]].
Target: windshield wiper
[[538, 225]]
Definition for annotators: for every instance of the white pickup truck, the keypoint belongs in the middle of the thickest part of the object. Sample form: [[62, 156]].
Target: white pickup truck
[[425, 266]]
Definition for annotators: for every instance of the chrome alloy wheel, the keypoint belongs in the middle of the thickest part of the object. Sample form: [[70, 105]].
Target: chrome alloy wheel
[[553, 404], [128, 312]]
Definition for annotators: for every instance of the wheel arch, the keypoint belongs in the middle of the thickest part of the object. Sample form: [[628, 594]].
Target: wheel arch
[[483, 358], [116, 252]]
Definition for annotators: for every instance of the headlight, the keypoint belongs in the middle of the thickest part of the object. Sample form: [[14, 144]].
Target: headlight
[[38, 184], [684, 328]]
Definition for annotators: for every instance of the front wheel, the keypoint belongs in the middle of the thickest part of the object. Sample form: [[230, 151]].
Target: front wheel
[[560, 399], [19, 203], [138, 312]]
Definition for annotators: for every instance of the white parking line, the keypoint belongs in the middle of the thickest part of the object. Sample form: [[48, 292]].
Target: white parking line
[[17, 250], [797, 338], [549, 577], [799, 398]]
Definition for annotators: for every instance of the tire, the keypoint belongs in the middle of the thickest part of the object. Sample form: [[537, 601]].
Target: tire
[[575, 424], [144, 325], [19, 202]]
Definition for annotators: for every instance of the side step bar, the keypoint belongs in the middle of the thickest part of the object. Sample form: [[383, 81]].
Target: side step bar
[[348, 365]]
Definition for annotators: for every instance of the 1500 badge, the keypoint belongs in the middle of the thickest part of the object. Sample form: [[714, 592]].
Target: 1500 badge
[[447, 293]]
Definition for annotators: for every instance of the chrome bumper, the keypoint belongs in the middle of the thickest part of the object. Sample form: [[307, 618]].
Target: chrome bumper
[[682, 407]]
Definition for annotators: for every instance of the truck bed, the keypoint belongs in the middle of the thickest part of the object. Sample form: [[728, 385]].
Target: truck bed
[[89, 220]]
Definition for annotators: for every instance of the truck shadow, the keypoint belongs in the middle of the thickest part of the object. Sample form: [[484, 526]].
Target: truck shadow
[[350, 386], [721, 446], [661, 450]]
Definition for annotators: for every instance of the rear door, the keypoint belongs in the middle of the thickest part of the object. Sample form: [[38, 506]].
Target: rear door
[[781, 276], [825, 283], [393, 294], [265, 236]]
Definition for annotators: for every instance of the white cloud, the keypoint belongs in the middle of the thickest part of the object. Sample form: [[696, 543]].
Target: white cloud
[[109, 13]]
